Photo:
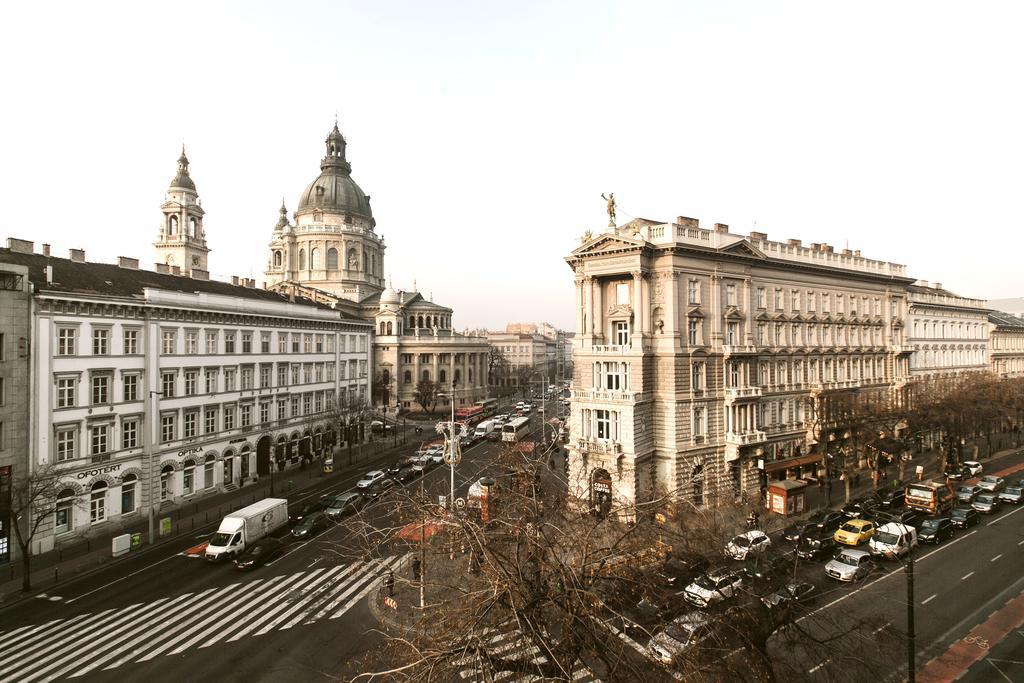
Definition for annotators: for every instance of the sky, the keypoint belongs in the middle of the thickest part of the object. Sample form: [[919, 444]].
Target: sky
[[486, 132]]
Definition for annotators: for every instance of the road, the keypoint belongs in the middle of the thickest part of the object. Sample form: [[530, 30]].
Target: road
[[169, 615]]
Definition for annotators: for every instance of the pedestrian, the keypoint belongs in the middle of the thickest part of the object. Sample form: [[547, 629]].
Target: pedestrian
[[416, 569], [389, 584]]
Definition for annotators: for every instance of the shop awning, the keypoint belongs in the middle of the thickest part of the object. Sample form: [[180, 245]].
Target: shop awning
[[776, 465]]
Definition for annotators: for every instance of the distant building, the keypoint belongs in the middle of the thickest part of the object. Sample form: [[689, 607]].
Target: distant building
[[1006, 344], [1013, 306], [949, 332], [523, 359], [15, 388]]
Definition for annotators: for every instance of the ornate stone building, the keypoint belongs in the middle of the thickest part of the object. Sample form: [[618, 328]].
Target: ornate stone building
[[700, 357], [181, 241], [332, 254], [1006, 344], [949, 332]]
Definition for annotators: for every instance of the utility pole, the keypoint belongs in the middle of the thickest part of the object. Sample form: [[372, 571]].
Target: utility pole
[[911, 647]]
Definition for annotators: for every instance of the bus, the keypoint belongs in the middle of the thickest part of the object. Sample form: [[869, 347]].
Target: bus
[[470, 415], [932, 497], [515, 429], [490, 406]]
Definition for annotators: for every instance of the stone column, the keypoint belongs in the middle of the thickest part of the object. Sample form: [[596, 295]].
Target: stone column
[[672, 306], [597, 310], [639, 319], [714, 334], [748, 299], [587, 314], [580, 303]]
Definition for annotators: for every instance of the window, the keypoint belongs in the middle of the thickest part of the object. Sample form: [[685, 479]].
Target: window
[[191, 342], [66, 339], [692, 331], [229, 379], [294, 405], [697, 375], [100, 389], [64, 512], [167, 384], [190, 382], [778, 300], [229, 342], [762, 298], [693, 291], [295, 343], [307, 404], [812, 301], [66, 387], [265, 375], [169, 342], [190, 424], [130, 433], [319, 343], [762, 334], [330, 341], [307, 373], [165, 482], [314, 258], [66, 438], [210, 420], [622, 293], [245, 414], [211, 380], [247, 377], [282, 342], [613, 376], [264, 412], [282, 374], [167, 428], [211, 342], [826, 305], [131, 342], [307, 343], [264, 342], [98, 503], [188, 477], [247, 342], [699, 426], [730, 294], [128, 486], [621, 332], [732, 333], [130, 387], [101, 342], [606, 424], [318, 402], [794, 299], [99, 439], [229, 417], [208, 472], [282, 409]]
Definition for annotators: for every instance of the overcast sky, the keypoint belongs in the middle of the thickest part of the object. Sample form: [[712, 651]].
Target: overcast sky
[[486, 132]]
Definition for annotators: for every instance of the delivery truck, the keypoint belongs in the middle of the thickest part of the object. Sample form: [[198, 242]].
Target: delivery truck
[[242, 528], [485, 429]]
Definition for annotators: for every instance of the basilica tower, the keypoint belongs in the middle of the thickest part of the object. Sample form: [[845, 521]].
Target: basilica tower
[[332, 246], [181, 241]]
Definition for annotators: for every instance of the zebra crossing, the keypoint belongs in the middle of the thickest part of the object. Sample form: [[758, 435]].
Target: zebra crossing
[[509, 642], [171, 625]]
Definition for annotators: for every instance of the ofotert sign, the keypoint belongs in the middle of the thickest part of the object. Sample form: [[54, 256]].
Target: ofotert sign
[[98, 471]]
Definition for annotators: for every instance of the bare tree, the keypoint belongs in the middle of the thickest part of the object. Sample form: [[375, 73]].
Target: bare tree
[[33, 502], [349, 413], [426, 394]]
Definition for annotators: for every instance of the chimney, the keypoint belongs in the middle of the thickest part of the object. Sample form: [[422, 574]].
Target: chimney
[[754, 235], [856, 252], [175, 270], [923, 283], [128, 262], [251, 283], [46, 250], [162, 268], [793, 243], [234, 280], [847, 252], [49, 274], [20, 246], [77, 255], [827, 248], [199, 274], [687, 222], [938, 285], [721, 228]]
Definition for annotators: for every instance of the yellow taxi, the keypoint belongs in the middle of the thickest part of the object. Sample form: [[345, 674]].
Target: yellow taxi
[[854, 532]]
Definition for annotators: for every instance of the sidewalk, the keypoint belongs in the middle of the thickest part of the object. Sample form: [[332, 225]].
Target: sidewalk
[[75, 560]]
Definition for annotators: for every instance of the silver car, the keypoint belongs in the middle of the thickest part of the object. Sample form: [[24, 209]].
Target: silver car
[[849, 564], [991, 482], [683, 633]]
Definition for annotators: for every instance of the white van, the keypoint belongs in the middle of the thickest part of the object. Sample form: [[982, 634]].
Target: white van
[[893, 540], [484, 429]]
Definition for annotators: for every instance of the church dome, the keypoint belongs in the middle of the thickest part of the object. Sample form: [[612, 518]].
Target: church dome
[[182, 180], [389, 296], [334, 189]]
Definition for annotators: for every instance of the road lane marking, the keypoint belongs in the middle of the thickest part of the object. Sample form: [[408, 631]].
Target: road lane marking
[[996, 557], [126, 576], [251, 626], [967, 576], [352, 601], [1020, 542], [333, 600], [882, 628], [929, 599], [810, 671]]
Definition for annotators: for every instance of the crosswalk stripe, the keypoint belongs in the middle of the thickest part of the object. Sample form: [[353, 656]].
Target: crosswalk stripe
[[329, 602], [252, 625], [314, 596], [359, 596], [96, 639], [256, 602], [7, 640], [42, 634]]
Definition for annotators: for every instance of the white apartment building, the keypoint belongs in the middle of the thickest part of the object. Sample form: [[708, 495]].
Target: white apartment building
[[1006, 344], [153, 389], [949, 332], [701, 358]]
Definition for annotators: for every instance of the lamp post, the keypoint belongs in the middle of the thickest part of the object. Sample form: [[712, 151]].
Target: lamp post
[[149, 447], [453, 453]]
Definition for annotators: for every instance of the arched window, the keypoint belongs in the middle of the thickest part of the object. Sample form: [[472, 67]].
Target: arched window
[[277, 259], [314, 259], [172, 225], [188, 478], [302, 259], [412, 322], [165, 482], [65, 512], [208, 470], [98, 503], [442, 376], [426, 375], [382, 328], [128, 486], [366, 260], [457, 375], [389, 328], [332, 259], [419, 321], [407, 378], [193, 227]]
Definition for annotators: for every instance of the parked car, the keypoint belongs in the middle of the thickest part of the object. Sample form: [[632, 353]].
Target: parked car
[[828, 520], [855, 532], [789, 595], [991, 482], [369, 479], [974, 467], [683, 633], [259, 553], [399, 465], [312, 525], [892, 498], [1012, 494], [344, 504], [863, 508], [746, 544], [303, 510], [681, 571], [893, 540], [936, 529], [379, 488], [765, 567], [715, 586], [816, 544], [964, 517], [850, 564], [986, 502], [909, 517], [957, 473], [965, 493], [407, 474]]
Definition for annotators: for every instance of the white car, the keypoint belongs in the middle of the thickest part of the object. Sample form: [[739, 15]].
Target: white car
[[435, 453], [745, 545], [683, 633], [974, 467], [715, 586], [991, 482], [369, 479]]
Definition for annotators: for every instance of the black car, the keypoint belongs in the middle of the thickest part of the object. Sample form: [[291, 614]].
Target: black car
[[790, 595], [407, 474], [399, 465], [865, 508], [312, 525], [908, 517], [957, 473], [379, 488], [892, 498], [935, 530], [963, 518], [681, 571], [300, 512], [259, 553], [817, 544], [828, 520], [765, 567]]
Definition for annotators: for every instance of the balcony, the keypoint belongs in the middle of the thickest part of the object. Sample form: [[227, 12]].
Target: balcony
[[903, 348], [745, 439], [611, 349], [733, 394], [736, 350], [605, 396], [613, 448]]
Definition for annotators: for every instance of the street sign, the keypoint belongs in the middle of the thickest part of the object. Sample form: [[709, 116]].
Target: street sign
[[460, 503], [442, 500]]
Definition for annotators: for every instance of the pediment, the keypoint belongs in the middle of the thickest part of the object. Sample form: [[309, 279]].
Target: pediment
[[609, 243], [744, 248]]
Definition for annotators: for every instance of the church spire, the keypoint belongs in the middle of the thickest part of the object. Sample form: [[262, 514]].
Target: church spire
[[335, 157], [182, 179]]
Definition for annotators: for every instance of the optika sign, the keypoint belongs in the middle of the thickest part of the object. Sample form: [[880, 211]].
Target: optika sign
[[98, 471], [189, 451]]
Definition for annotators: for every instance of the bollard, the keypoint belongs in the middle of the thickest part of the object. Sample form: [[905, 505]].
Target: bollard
[[193, 524], [56, 574]]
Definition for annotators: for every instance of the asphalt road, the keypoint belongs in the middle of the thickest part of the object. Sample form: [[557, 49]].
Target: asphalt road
[[169, 615]]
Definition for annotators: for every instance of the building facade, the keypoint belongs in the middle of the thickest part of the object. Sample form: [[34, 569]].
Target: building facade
[[153, 389], [523, 358], [1006, 344], [333, 255], [15, 388], [949, 332], [701, 357]]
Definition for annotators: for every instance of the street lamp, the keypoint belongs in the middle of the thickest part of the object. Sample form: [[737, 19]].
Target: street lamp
[[148, 444], [452, 454]]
